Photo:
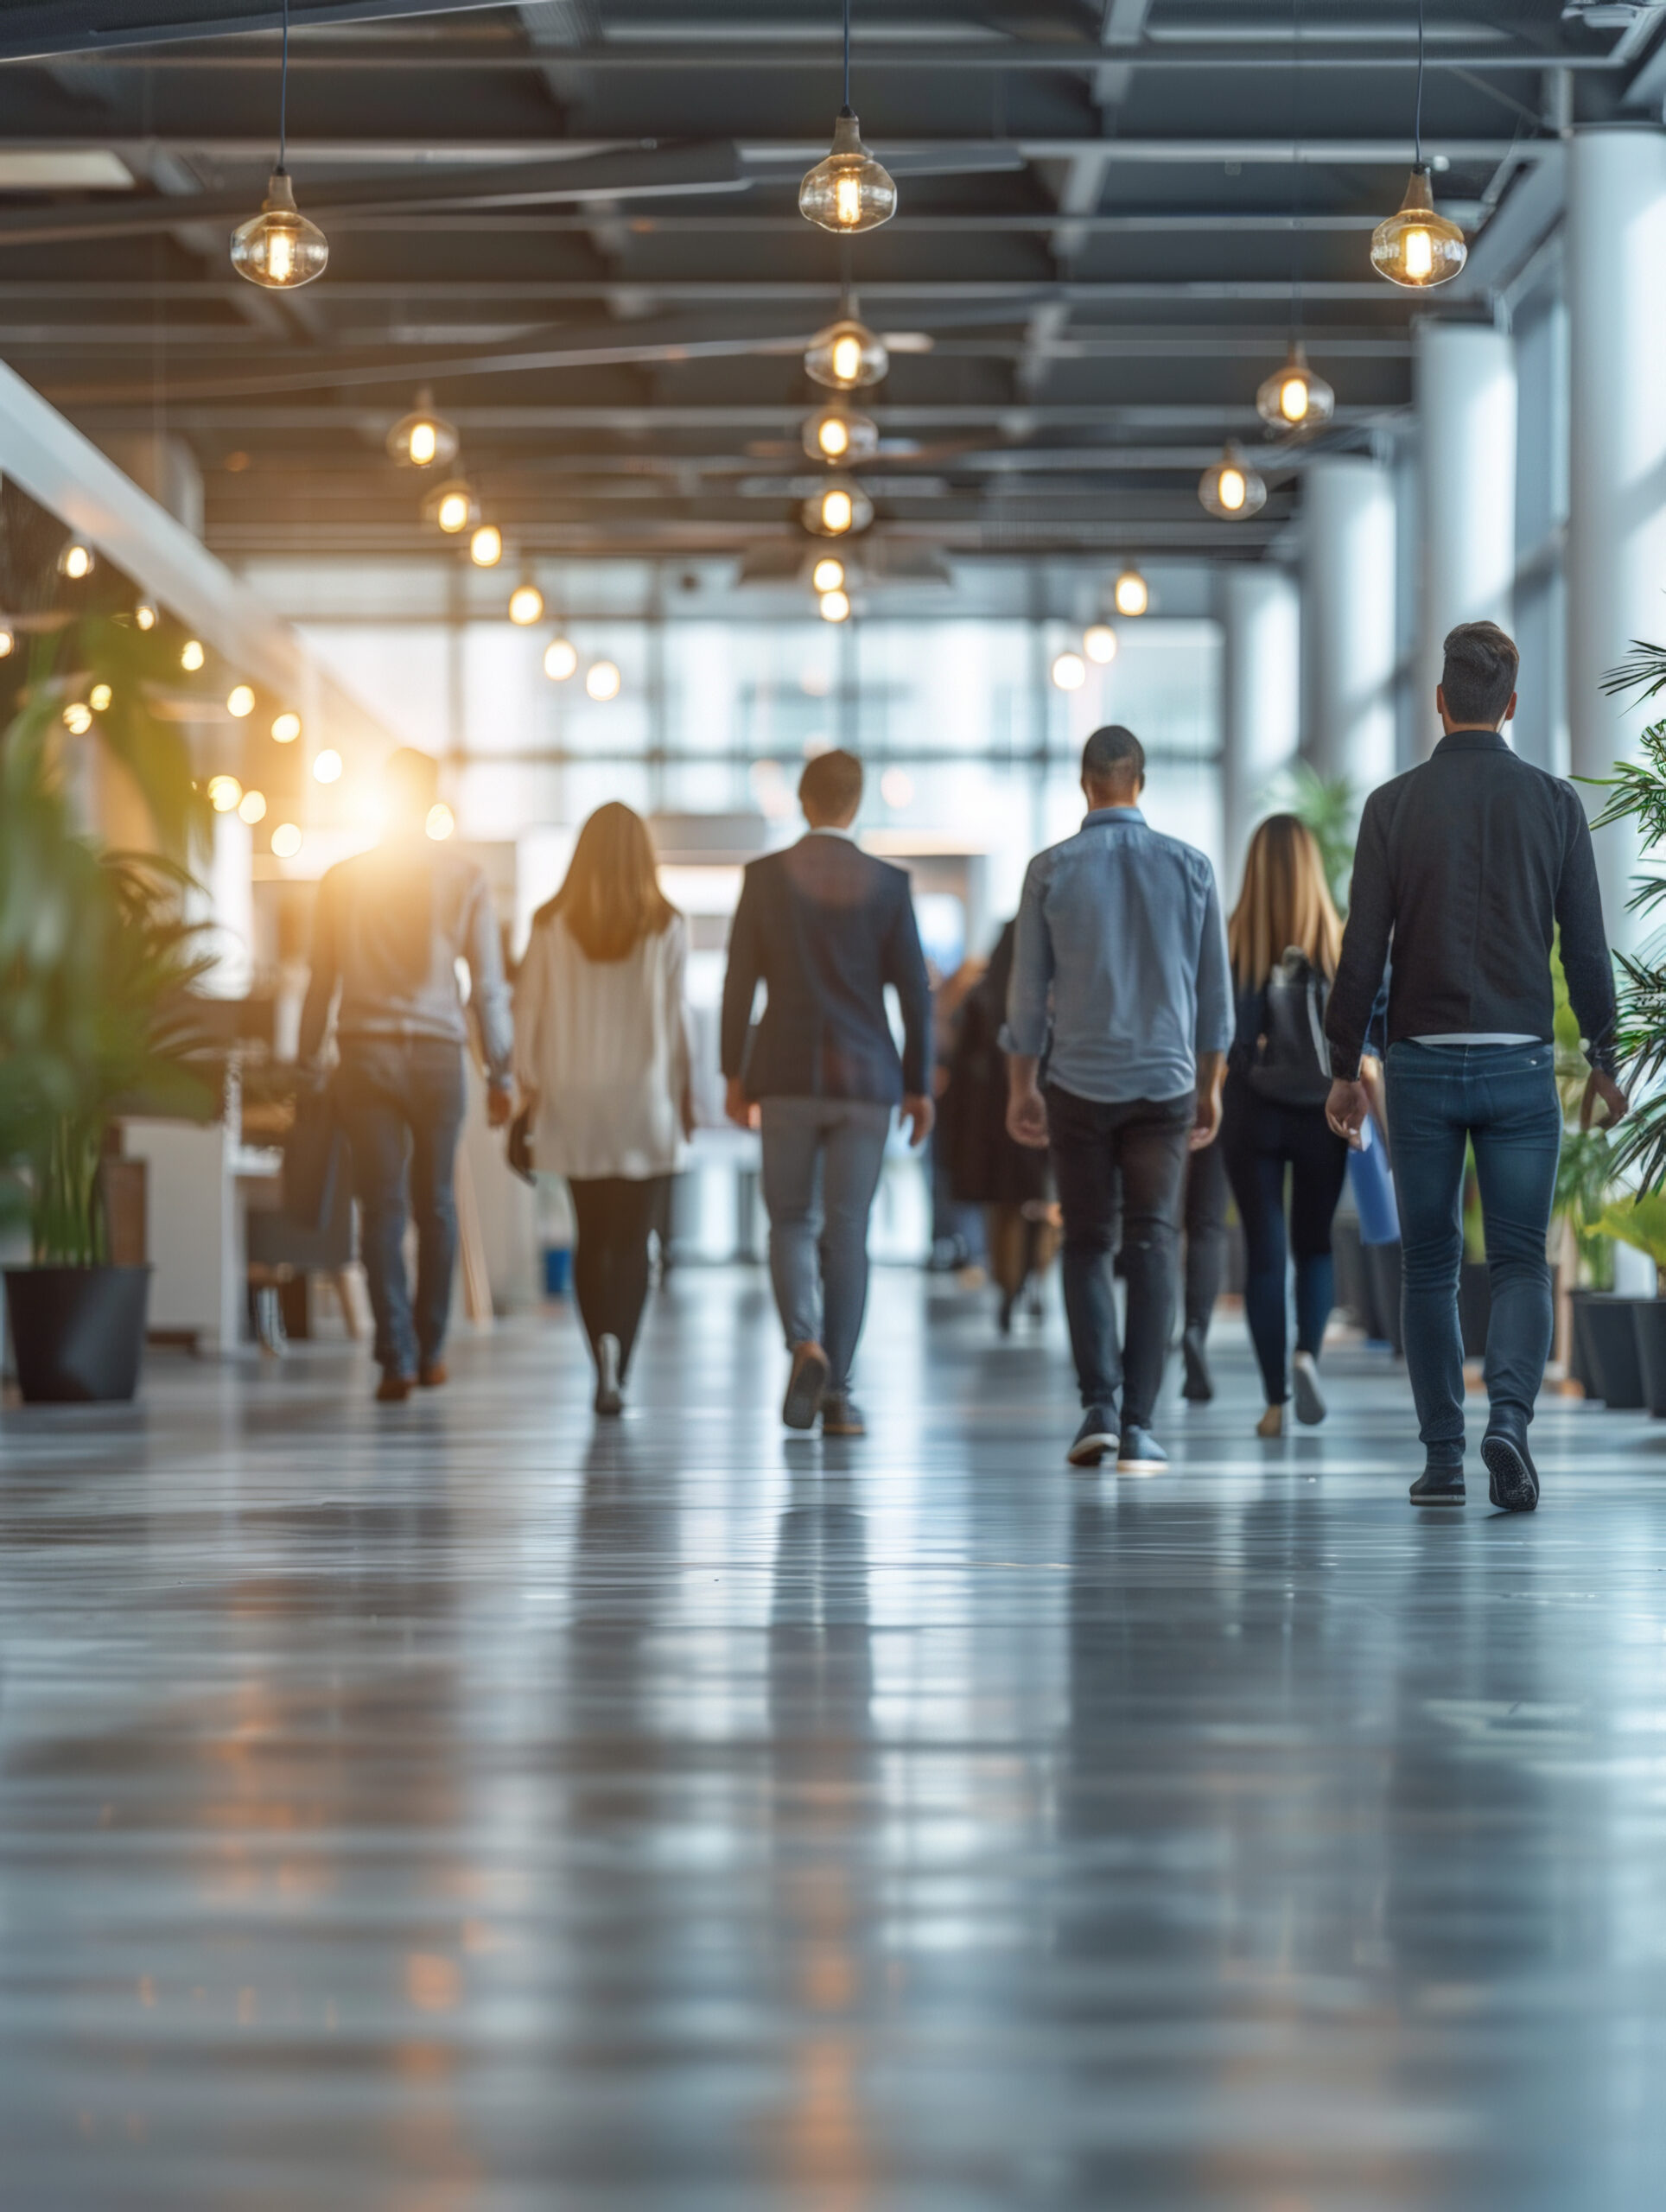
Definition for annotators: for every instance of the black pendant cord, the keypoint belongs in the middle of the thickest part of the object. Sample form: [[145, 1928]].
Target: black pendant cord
[[284, 94], [1417, 122], [847, 55]]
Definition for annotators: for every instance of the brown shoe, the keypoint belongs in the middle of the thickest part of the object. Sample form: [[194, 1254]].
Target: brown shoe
[[392, 1389], [432, 1374], [805, 1386]]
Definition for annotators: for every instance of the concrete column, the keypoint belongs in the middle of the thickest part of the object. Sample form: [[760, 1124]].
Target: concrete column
[[1347, 620], [1465, 388], [1615, 249], [1261, 700]]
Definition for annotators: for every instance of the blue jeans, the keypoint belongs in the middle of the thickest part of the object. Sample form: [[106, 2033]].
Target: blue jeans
[[1503, 1098], [402, 1099], [821, 1163]]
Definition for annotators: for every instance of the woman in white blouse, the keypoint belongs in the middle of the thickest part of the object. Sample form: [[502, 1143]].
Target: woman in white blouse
[[602, 1056]]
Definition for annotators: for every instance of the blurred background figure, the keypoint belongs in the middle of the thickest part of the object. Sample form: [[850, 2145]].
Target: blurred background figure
[[390, 927], [1203, 1220], [1012, 1183], [1284, 938], [602, 1056]]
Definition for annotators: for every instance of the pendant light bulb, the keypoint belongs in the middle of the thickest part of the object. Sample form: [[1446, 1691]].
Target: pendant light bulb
[[1293, 397], [850, 191], [1069, 672], [835, 432], [846, 356], [75, 560], [422, 439], [559, 660], [486, 546], [839, 509], [278, 248], [836, 606], [1131, 594], [1099, 643], [452, 506], [144, 615], [828, 575], [525, 604], [1232, 490], [1416, 247]]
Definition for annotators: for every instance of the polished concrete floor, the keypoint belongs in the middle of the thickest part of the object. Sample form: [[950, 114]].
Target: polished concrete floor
[[461, 1807]]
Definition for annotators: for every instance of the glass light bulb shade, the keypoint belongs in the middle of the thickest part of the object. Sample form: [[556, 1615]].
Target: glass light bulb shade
[[1131, 594], [828, 575], [1294, 398], [286, 728], [279, 247], [7, 641], [559, 660], [836, 606], [327, 767], [485, 547], [1232, 490], [1415, 246], [441, 822], [192, 655], [1099, 643], [99, 697], [846, 356], [224, 794], [525, 604], [251, 807], [286, 840], [835, 434], [897, 787], [602, 680], [240, 701], [422, 439], [144, 615], [850, 191], [451, 507], [1069, 671], [77, 717], [840, 508], [75, 560]]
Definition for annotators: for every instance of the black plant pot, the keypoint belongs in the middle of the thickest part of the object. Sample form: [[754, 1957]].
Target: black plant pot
[[1610, 1350], [1474, 1306], [1578, 1349], [1648, 1318], [77, 1333]]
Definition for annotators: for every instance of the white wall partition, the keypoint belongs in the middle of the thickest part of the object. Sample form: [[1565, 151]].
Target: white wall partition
[[1260, 699]]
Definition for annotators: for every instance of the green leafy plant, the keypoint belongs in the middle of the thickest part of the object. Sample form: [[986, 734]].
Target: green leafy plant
[[1327, 805], [1640, 1220], [1637, 793]]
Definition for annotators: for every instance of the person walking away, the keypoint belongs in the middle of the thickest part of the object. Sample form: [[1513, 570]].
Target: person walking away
[[388, 931], [1119, 977], [601, 1057], [1468, 865], [825, 928], [1009, 1181], [1284, 938]]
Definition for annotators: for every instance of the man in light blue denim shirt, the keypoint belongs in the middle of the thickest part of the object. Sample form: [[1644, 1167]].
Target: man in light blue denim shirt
[[1120, 980]]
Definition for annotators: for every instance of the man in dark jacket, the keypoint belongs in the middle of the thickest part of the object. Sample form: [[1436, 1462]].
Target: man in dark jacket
[[1467, 867], [825, 929]]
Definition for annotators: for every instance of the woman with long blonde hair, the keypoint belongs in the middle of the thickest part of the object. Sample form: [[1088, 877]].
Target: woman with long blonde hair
[[602, 1057], [1284, 938]]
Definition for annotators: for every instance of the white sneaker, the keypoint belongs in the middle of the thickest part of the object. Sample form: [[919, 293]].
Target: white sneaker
[[609, 1398], [1304, 1384]]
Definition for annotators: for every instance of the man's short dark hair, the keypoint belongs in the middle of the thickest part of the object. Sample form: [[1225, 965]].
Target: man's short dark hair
[[1113, 755], [1479, 673], [832, 784]]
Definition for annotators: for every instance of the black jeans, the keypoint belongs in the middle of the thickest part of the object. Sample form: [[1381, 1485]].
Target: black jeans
[[1259, 1139], [613, 1217], [1119, 1165], [401, 1100], [1206, 1233]]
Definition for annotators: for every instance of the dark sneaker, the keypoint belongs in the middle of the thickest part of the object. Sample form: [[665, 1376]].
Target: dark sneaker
[[1140, 1454], [394, 1388], [431, 1374], [1512, 1479], [610, 1399], [1304, 1389], [1439, 1486], [1097, 1436], [841, 1415], [805, 1386], [1200, 1385]]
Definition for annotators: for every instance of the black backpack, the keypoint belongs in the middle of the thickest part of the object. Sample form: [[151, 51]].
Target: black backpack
[[1292, 1065]]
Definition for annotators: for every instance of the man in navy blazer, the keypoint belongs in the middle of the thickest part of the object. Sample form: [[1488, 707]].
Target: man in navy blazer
[[825, 928]]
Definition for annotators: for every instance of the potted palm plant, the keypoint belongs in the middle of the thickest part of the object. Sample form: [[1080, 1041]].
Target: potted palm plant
[[97, 961]]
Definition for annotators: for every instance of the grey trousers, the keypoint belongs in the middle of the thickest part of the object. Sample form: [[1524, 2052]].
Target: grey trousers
[[821, 1161]]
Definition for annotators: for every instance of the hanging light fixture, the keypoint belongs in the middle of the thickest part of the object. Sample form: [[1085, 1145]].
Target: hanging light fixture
[[99, 698], [279, 247], [225, 794], [828, 575], [835, 432], [240, 701], [602, 680], [422, 439], [835, 607], [441, 822], [1293, 397], [1069, 671], [525, 603], [559, 660], [452, 506], [77, 718], [75, 560], [251, 807], [7, 642], [486, 546], [1415, 246], [286, 840], [850, 191], [846, 355], [840, 508], [326, 766], [286, 728], [144, 615], [1232, 490], [192, 655], [1099, 643], [1130, 593]]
